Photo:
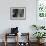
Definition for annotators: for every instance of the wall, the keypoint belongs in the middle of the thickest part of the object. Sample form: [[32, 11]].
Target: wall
[[24, 25]]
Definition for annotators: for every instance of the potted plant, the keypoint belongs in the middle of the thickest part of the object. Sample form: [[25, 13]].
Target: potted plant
[[35, 26], [38, 27], [39, 35]]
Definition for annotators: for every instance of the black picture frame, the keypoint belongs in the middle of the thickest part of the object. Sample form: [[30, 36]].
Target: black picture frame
[[17, 13]]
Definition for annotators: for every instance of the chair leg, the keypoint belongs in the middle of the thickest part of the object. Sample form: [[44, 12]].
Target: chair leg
[[5, 40], [5, 43]]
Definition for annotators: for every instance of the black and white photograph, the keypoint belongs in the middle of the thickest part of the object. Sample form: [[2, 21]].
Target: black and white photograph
[[17, 13]]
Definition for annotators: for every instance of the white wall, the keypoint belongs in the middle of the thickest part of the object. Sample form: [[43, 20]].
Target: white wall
[[24, 25]]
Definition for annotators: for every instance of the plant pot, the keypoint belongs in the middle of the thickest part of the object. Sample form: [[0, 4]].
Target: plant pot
[[40, 40]]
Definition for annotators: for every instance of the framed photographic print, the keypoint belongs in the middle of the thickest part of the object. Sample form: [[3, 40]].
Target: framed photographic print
[[17, 13]]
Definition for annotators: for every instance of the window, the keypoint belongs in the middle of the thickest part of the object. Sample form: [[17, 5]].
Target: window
[[41, 8]]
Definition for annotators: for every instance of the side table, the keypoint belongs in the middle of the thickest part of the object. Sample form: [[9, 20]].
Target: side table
[[8, 34]]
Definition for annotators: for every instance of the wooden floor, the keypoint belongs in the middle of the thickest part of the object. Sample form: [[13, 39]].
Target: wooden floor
[[13, 44]]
